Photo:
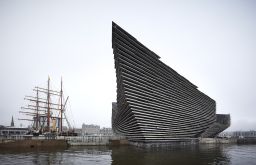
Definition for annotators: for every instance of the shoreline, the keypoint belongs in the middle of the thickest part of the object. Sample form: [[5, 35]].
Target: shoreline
[[113, 141]]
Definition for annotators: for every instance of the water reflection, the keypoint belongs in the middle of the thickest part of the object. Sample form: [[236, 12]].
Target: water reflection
[[202, 154], [31, 155], [127, 155]]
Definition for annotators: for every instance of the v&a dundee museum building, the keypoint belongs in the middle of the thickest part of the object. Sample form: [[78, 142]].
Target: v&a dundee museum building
[[154, 102]]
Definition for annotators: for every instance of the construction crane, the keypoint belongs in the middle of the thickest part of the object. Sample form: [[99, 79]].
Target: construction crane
[[64, 111]]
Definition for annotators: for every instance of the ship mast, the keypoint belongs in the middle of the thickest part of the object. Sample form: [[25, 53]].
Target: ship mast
[[37, 108], [61, 105], [42, 108], [48, 104]]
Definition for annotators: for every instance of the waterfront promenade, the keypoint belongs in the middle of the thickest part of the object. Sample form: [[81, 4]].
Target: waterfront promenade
[[95, 140], [99, 140]]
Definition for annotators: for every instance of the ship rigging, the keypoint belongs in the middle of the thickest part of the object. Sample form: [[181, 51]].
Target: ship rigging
[[47, 110]]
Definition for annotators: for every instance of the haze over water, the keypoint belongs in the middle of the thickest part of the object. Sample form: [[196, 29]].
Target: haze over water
[[129, 155]]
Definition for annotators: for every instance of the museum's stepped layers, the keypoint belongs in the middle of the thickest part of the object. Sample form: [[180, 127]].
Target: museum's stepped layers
[[154, 102], [222, 123]]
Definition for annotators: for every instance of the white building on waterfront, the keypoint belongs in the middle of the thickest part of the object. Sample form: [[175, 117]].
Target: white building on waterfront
[[12, 130], [90, 129], [106, 131]]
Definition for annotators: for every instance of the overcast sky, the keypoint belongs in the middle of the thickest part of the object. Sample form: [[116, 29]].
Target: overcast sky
[[211, 43]]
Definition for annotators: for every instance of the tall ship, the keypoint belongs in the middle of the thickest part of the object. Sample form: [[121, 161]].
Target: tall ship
[[46, 109]]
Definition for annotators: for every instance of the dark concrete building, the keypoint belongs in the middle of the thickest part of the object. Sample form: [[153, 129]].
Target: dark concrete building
[[154, 102]]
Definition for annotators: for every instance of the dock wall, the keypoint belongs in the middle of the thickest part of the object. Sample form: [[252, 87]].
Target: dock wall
[[173, 143], [33, 143], [217, 141], [248, 140], [96, 140], [115, 141]]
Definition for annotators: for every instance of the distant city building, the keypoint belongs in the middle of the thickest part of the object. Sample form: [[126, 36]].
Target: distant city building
[[239, 134], [244, 134], [154, 102], [78, 131], [106, 131], [10, 131], [90, 129]]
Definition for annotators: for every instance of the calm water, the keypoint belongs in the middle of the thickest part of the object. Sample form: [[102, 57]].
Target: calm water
[[129, 155]]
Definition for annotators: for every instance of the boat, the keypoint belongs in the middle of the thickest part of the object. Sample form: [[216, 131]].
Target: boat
[[47, 111]]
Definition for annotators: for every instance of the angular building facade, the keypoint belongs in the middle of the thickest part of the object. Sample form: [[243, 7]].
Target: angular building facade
[[154, 102]]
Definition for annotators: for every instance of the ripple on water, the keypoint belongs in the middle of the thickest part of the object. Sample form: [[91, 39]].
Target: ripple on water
[[202, 154], [242, 154]]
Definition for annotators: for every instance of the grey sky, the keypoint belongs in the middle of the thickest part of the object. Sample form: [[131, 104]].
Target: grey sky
[[211, 43]]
